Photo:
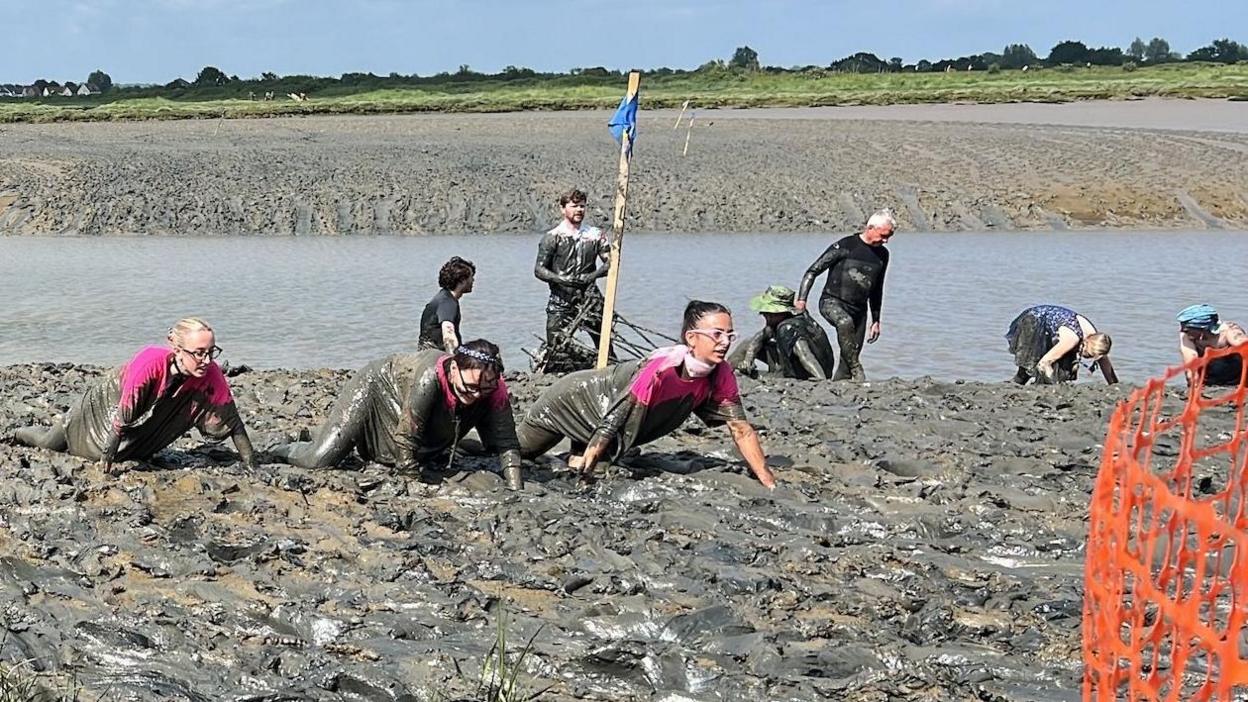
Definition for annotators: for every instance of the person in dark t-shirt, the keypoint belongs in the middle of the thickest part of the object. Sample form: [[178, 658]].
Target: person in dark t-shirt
[[856, 266], [439, 323]]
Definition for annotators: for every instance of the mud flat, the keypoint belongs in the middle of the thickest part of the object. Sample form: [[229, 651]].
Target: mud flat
[[986, 167], [926, 543]]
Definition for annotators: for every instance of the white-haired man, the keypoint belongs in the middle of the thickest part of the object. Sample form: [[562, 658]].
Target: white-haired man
[[856, 267]]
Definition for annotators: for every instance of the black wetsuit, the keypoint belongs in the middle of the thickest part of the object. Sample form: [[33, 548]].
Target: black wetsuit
[[568, 261], [795, 348], [442, 308], [855, 284]]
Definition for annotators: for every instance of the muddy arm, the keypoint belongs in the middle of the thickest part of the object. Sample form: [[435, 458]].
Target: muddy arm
[[876, 298], [498, 434], [604, 255], [612, 426], [750, 351], [242, 443], [409, 435], [806, 356], [830, 256]]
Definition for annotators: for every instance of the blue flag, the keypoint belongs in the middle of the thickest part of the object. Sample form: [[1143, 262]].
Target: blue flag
[[625, 120]]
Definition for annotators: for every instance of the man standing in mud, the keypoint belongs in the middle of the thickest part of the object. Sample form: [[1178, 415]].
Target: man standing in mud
[[571, 258], [856, 267]]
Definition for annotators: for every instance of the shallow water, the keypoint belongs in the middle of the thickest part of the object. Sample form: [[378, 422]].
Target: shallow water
[[340, 302]]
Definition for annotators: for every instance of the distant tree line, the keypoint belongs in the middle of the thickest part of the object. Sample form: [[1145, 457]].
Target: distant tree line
[[213, 83]]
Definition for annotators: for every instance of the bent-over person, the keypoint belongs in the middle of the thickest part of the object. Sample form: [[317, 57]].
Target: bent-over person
[[791, 343]]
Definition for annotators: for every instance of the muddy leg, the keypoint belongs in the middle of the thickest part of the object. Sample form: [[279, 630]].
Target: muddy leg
[[535, 441], [52, 438], [338, 435], [850, 332], [1022, 376]]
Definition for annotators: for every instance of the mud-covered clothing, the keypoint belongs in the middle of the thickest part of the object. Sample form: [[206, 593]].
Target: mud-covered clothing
[[851, 332], [568, 261], [855, 276], [795, 348], [442, 308], [1034, 332], [401, 409], [628, 404], [141, 408]]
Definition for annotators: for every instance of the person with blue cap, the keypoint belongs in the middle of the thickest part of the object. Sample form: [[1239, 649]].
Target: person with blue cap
[[1200, 330], [791, 343]]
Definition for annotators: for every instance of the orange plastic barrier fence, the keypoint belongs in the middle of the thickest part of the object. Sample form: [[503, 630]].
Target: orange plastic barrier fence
[[1165, 613]]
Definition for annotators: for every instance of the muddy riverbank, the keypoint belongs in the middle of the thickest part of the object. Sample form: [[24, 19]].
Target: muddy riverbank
[[1124, 165], [925, 543]]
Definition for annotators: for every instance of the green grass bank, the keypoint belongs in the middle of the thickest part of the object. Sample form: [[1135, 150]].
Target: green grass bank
[[713, 88]]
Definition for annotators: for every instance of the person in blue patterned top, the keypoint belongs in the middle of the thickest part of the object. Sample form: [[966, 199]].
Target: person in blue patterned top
[[1048, 340]]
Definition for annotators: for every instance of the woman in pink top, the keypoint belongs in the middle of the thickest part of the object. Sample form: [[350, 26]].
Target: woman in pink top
[[135, 411], [609, 411]]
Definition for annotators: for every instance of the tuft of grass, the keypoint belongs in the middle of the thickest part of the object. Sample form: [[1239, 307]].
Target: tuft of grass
[[20, 683], [709, 88], [501, 670]]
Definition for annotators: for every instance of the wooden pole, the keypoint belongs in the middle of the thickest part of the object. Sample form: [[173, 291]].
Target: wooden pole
[[617, 234]]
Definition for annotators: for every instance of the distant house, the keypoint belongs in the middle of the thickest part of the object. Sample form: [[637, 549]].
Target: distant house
[[67, 92], [30, 91], [86, 89]]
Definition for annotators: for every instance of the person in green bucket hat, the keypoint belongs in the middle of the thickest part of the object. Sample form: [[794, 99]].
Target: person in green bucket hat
[[790, 343]]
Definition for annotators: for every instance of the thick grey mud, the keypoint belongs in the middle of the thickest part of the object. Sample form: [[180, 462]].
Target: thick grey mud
[[417, 174], [925, 543]]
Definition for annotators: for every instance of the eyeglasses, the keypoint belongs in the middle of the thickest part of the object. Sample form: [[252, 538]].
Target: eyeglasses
[[719, 336], [477, 389], [200, 354]]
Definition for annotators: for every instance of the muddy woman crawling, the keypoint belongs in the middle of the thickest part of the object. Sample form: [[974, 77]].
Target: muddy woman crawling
[[135, 411], [609, 411], [411, 407]]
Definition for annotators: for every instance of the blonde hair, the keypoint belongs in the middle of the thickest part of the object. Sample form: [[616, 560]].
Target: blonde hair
[[187, 325], [1097, 345]]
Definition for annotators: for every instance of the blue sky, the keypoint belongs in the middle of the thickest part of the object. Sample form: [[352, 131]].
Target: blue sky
[[158, 40]]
